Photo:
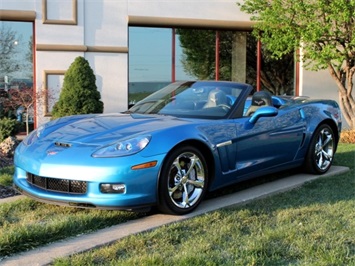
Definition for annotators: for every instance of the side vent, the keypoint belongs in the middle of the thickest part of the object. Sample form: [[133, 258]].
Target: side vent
[[303, 139]]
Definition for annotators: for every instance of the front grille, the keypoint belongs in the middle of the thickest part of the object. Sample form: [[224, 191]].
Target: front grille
[[58, 185]]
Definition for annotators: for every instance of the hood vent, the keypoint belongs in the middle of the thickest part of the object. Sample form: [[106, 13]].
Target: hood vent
[[61, 144]]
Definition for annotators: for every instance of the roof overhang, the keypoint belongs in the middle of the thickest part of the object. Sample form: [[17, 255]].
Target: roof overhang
[[165, 22]]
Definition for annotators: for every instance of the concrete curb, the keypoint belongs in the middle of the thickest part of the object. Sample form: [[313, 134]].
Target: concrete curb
[[10, 199], [46, 254]]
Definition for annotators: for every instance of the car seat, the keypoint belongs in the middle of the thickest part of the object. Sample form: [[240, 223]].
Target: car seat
[[215, 98], [259, 99]]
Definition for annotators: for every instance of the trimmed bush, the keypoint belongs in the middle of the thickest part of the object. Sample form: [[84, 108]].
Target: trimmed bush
[[79, 94]]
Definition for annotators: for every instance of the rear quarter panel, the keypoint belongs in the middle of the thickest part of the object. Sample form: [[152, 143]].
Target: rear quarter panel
[[315, 113]]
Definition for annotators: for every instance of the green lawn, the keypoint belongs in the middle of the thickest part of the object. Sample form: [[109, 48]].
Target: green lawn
[[311, 225]]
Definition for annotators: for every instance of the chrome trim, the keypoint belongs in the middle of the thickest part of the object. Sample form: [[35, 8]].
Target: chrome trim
[[226, 143]]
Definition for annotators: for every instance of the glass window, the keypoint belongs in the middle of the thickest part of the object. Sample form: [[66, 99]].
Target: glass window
[[16, 71], [276, 75], [152, 64], [151, 61]]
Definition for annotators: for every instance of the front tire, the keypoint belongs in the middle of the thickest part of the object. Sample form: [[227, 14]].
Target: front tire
[[183, 181], [321, 150]]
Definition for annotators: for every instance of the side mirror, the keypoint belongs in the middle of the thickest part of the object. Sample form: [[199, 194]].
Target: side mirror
[[266, 111]]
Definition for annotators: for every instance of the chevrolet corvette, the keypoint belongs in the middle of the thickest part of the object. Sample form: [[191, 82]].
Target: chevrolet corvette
[[174, 146]]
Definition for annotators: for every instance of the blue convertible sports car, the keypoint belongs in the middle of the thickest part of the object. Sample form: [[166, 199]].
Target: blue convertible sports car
[[171, 148]]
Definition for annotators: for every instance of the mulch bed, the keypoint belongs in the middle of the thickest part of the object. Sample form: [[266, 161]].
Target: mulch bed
[[6, 192], [5, 161]]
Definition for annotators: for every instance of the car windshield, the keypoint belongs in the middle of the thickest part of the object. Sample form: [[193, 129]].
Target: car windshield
[[192, 99]]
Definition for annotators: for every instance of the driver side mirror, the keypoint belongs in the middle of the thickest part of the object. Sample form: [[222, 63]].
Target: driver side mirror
[[266, 111]]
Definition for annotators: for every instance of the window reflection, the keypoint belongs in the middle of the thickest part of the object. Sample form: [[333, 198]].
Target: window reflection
[[202, 54], [151, 61], [16, 72]]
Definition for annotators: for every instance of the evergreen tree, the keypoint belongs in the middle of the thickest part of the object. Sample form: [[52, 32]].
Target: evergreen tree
[[79, 94]]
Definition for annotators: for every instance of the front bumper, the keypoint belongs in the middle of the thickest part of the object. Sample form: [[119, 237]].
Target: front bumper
[[141, 185]]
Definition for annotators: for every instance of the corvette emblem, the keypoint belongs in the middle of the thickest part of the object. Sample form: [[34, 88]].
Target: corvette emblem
[[259, 102], [52, 153]]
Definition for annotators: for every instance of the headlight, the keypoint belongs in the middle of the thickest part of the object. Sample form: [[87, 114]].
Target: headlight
[[123, 148]]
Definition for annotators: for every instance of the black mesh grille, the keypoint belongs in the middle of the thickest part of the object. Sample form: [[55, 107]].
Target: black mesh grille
[[59, 185]]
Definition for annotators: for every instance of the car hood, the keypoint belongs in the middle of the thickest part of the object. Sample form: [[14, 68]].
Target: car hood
[[104, 129]]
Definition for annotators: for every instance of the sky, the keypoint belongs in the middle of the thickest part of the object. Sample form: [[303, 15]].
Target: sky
[[150, 55]]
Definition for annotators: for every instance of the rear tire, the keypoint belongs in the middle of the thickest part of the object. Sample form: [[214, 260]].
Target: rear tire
[[183, 181], [321, 150]]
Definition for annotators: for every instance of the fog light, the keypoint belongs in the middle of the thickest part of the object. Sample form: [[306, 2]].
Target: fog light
[[113, 188]]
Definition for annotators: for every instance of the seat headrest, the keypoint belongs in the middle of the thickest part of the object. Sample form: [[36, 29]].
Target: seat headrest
[[261, 98], [216, 97]]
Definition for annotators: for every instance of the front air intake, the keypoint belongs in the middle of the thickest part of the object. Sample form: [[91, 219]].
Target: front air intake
[[56, 184]]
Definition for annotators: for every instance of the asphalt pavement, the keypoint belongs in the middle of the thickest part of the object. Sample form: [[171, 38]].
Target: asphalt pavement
[[46, 254]]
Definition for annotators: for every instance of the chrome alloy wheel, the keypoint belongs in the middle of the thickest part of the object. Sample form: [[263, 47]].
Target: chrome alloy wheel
[[186, 180], [324, 149]]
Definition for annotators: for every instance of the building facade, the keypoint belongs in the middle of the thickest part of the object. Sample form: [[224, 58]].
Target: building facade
[[99, 30]]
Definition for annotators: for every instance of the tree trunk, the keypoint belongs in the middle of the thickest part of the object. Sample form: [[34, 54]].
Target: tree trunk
[[27, 126], [346, 100]]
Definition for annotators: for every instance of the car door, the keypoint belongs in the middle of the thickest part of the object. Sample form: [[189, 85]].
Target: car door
[[270, 142]]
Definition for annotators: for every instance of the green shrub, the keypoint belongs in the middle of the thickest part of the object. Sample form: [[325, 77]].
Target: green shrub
[[79, 94], [6, 174], [8, 127]]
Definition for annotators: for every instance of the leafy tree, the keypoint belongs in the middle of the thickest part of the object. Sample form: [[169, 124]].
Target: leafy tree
[[198, 57], [20, 101], [323, 30], [79, 94], [199, 60], [20, 98], [276, 75]]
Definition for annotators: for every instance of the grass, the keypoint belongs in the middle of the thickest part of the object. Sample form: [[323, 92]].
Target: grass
[[26, 224], [311, 225]]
